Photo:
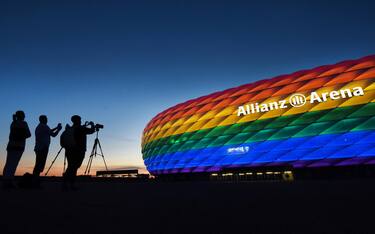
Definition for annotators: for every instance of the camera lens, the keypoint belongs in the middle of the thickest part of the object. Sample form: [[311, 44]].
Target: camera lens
[[99, 126]]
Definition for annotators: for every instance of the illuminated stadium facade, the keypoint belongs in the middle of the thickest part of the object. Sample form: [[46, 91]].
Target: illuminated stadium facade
[[318, 118]]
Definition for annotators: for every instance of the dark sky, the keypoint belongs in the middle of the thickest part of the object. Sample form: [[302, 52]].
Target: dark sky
[[122, 62]]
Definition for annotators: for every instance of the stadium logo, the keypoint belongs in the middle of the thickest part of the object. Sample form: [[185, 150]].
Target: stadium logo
[[299, 100]]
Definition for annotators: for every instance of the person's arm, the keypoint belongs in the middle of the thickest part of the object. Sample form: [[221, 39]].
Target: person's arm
[[27, 131], [37, 131], [55, 131], [12, 134], [91, 129]]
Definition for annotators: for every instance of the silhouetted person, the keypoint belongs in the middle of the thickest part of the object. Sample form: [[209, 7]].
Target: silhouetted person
[[43, 135], [75, 153], [19, 132]]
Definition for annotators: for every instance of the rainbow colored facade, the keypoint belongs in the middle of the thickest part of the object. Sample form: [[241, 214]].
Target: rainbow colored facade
[[312, 118]]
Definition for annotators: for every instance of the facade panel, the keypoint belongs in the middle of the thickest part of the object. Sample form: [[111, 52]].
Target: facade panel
[[312, 118]]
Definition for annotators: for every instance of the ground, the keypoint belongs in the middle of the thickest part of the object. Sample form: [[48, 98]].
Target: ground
[[335, 206]]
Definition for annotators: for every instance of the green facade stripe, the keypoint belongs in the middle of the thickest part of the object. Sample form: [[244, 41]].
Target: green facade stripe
[[300, 125]]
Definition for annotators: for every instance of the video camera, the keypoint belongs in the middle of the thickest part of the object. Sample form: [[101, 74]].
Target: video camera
[[96, 126], [99, 126]]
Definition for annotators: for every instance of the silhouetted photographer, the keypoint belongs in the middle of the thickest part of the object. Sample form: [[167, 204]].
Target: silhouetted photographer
[[19, 132], [43, 134], [74, 140]]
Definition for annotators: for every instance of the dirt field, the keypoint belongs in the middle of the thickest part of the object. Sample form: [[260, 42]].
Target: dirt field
[[192, 207]]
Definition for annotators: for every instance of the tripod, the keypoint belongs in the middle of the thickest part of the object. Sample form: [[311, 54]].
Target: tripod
[[94, 153], [58, 153]]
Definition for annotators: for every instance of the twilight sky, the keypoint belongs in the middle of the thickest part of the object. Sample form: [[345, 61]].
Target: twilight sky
[[119, 63]]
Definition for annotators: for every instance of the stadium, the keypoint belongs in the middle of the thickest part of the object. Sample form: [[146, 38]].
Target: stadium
[[311, 122]]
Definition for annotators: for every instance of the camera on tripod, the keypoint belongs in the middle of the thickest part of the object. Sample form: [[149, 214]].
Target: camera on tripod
[[96, 149], [99, 126], [96, 126]]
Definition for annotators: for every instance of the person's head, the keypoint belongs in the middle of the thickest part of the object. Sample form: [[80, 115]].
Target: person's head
[[76, 120], [43, 119], [19, 115]]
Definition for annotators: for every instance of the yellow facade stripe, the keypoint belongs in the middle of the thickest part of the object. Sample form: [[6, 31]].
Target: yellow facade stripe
[[228, 115]]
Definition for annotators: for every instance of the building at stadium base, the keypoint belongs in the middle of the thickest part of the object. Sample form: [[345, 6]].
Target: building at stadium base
[[321, 118]]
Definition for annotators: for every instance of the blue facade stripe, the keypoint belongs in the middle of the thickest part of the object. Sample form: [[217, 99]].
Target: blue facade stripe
[[331, 146]]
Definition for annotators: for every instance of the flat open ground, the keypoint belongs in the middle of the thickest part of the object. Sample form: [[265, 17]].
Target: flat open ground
[[192, 207]]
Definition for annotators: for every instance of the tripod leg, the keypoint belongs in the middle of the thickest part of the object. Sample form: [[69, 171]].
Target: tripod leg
[[87, 172], [101, 154], [53, 161], [91, 159], [94, 153], [88, 166], [95, 149]]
